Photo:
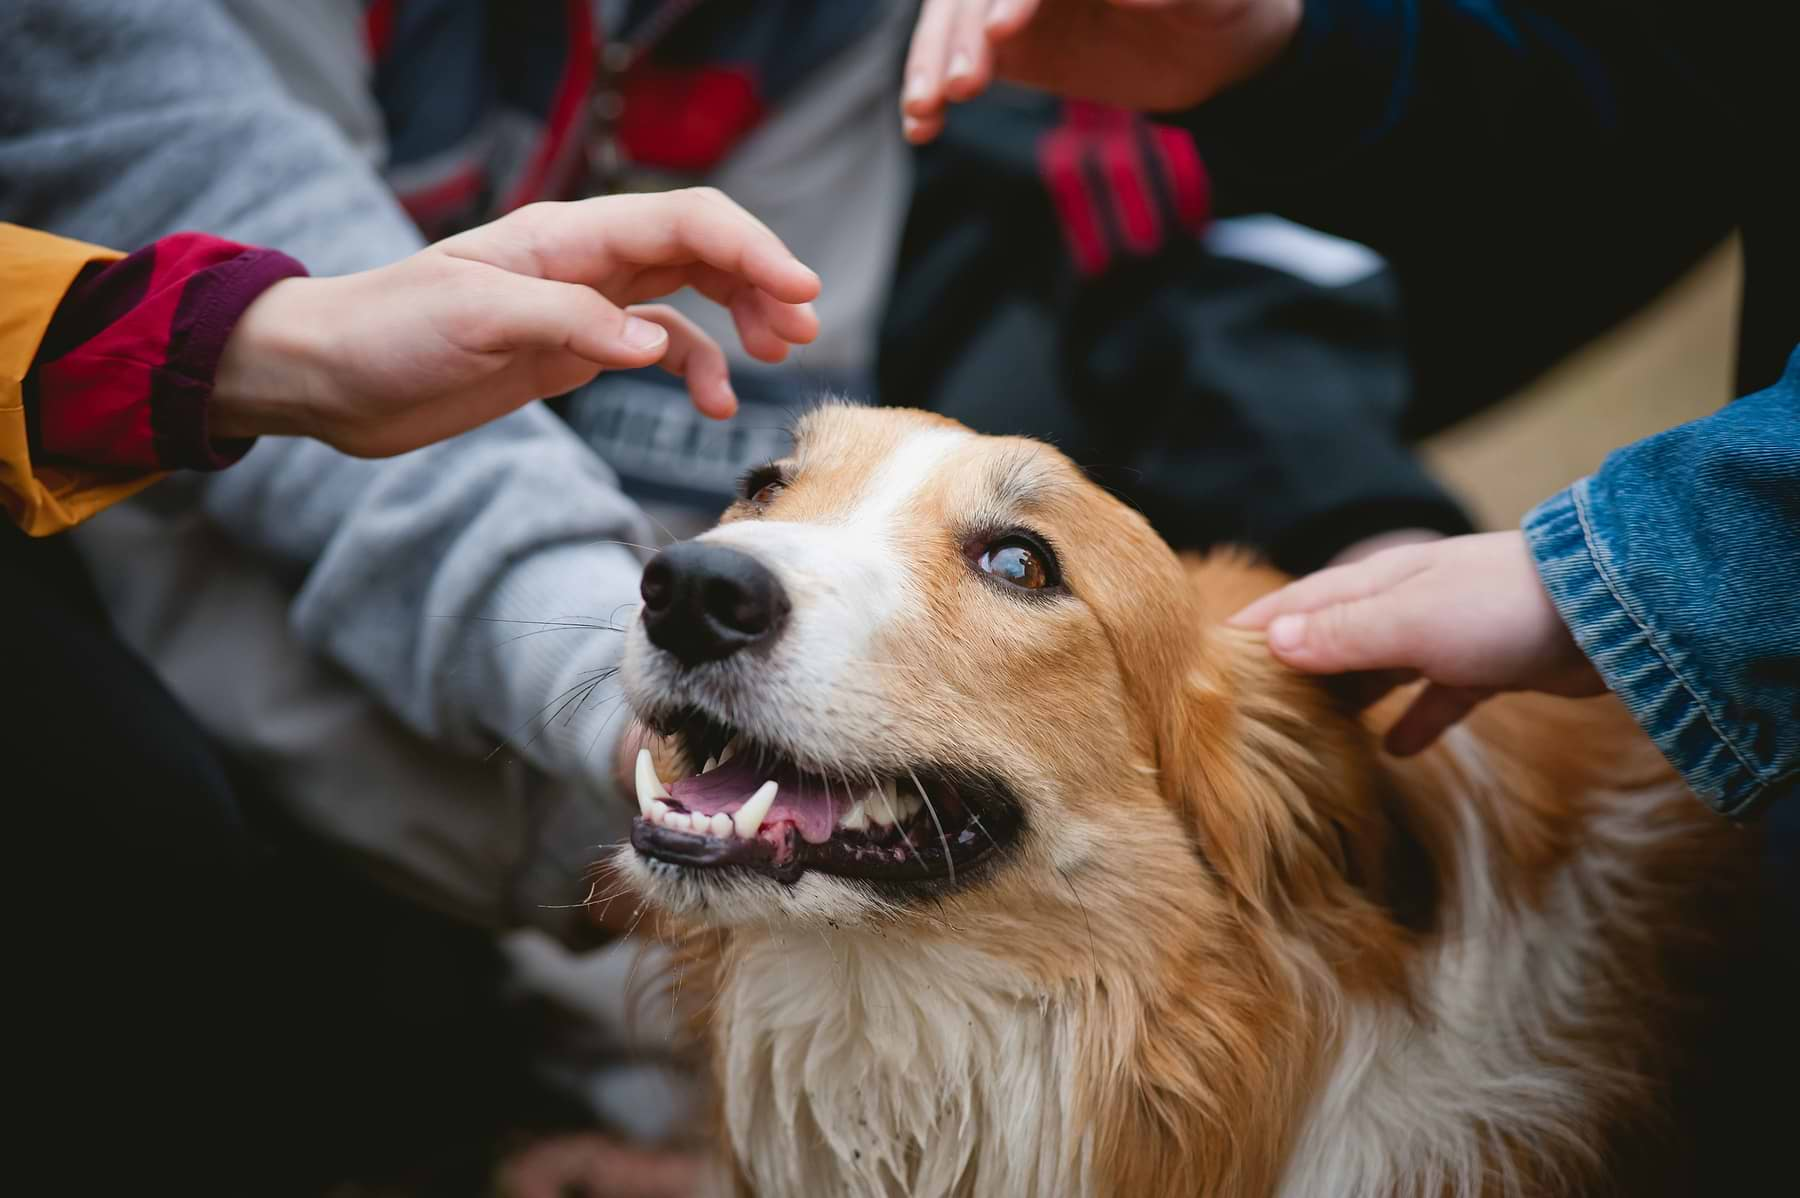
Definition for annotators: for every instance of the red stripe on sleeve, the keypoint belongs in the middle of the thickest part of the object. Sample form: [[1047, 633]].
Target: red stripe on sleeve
[[1059, 160], [1188, 179], [1139, 225], [133, 393]]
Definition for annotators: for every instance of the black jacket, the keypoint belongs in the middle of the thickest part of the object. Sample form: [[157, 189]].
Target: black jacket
[[1534, 171]]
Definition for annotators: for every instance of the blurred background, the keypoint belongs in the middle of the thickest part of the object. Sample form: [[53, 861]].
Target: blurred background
[[1670, 363]]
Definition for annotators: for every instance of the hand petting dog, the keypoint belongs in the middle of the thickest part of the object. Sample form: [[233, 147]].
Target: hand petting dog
[[1467, 614], [1153, 55], [534, 304]]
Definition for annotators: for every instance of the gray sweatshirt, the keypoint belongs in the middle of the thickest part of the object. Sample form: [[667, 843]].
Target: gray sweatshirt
[[124, 120]]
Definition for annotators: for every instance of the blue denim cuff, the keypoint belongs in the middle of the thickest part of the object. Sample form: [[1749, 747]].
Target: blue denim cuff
[[1623, 645]]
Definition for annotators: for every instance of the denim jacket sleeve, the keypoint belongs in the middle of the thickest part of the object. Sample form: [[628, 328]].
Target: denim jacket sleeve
[[1677, 567]]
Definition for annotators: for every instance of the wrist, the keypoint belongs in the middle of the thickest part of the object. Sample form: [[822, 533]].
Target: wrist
[[273, 375]]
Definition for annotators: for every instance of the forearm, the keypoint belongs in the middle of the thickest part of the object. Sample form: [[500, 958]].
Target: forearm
[[396, 559], [1675, 567]]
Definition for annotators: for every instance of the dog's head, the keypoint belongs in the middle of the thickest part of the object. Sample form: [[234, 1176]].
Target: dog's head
[[916, 667]]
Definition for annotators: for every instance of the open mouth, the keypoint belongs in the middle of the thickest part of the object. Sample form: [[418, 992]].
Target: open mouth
[[747, 805]]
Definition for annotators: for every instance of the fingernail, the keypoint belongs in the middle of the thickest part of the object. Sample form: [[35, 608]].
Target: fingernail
[[1287, 632], [960, 65], [643, 334], [916, 88]]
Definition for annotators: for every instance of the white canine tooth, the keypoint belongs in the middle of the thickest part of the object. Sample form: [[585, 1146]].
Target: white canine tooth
[[721, 824], [749, 817], [907, 808], [729, 751], [659, 812], [712, 763], [649, 786], [855, 817]]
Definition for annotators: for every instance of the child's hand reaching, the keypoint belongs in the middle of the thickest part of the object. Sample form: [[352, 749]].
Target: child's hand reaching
[[1466, 613], [1154, 55], [532, 305]]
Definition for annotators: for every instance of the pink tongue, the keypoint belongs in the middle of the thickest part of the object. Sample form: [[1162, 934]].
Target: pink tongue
[[803, 799]]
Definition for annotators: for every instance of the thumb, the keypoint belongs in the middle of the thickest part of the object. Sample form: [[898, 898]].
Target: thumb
[[1362, 634], [530, 313]]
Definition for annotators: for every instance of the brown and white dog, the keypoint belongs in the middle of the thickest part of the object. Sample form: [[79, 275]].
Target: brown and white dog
[[1009, 870]]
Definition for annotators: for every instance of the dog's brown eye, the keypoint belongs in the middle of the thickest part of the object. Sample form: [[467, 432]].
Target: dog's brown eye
[[760, 486], [1015, 562]]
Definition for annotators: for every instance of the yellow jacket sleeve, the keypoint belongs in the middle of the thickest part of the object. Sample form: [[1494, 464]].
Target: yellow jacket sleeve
[[36, 271]]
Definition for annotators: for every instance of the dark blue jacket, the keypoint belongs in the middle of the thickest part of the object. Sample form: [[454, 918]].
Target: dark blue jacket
[[1534, 171]]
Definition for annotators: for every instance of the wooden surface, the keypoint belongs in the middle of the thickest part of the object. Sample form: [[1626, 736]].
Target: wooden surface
[[1667, 365]]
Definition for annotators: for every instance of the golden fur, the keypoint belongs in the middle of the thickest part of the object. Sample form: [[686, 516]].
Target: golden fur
[[1223, 895]]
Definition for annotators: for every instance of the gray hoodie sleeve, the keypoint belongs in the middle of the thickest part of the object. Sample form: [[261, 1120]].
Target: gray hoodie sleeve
[[124, 120]]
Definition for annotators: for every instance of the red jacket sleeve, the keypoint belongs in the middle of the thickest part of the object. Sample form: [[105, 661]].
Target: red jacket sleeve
[[125, 370]]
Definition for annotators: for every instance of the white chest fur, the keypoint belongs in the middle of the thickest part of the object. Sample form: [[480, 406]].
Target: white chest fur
[[860, 1065], [1516, 1043]]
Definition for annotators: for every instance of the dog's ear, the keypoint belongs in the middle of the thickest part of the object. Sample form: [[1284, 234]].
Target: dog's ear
[[1278, 782], [1284, 790], [1241, 755]]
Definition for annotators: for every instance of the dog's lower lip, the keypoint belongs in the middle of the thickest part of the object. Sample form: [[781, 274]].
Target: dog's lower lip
[[708, 852]]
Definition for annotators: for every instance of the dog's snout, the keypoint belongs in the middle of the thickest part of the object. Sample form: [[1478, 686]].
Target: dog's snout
[[703, 602]]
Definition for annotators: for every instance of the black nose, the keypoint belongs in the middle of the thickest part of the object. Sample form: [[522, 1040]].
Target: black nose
[[703, 602]]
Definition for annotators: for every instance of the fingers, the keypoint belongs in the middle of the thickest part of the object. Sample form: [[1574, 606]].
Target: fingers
[[694, 356], [1431, 714], [970, 67], [1379, 632], [535, 315], [586, 241], [1339, 584], [922, 95], [518, 312], [952, 57], [766, 327]]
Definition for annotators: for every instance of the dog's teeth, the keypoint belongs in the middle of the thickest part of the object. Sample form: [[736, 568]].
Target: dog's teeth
[[855, 817], [659, 812], [721, 825], [749, 817], [883, 810], [907, 807], [649, 786], [712, 763], [729, 751]]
